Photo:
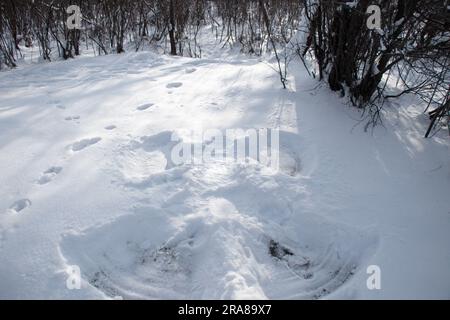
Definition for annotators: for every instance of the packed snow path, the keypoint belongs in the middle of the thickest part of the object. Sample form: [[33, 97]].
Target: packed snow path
[[86, 180]]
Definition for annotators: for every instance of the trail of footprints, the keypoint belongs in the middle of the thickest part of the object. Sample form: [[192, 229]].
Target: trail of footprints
[[52, 172]]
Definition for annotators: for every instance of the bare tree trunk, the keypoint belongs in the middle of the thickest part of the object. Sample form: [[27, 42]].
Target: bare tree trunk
[[173, 44]]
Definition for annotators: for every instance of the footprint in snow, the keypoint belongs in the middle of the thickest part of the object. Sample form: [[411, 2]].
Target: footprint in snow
[[70, 118], [190, 70], [19, 205], [111, 127], [174, 85], [54, 101], [144, 106], [80, 145], [49, 175], [57, 104]]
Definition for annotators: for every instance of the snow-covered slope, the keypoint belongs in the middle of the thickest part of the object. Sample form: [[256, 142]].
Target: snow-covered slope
[[86, 180]]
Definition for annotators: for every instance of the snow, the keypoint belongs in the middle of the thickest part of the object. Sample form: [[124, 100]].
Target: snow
[[87, 179]]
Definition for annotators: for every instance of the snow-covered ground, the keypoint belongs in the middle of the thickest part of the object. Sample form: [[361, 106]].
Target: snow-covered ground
[[86, 180]]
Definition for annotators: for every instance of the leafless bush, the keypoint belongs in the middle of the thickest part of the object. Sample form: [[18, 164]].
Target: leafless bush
[[412, 45]]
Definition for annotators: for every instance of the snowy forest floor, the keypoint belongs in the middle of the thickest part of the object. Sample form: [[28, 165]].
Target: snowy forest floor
[[85, 180]]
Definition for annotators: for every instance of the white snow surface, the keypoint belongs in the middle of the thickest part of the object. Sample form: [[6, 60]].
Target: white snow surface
[[86, 180]]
